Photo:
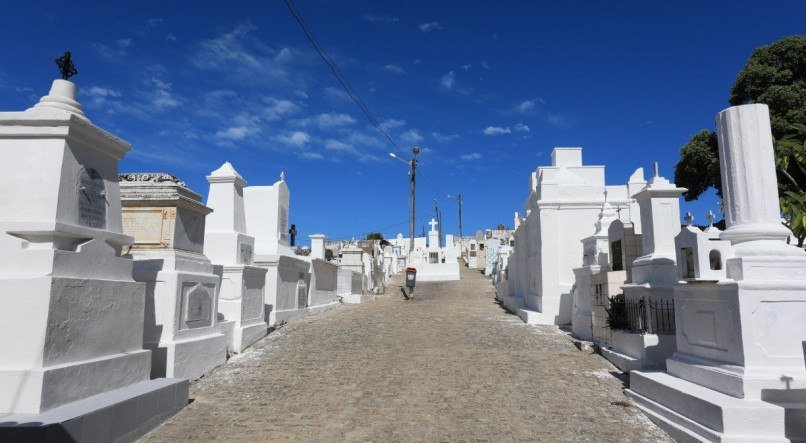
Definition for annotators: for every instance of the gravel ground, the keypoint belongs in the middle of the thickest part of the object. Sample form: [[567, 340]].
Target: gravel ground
[[450, 365]]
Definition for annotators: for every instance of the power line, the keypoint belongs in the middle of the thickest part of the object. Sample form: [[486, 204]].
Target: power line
[[345, 84]]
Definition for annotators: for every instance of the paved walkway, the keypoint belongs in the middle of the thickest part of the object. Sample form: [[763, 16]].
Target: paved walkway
[[450, 365]]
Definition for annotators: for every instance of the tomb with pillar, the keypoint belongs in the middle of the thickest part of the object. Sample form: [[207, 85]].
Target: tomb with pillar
[[72, 363], [226, 243], [739, 372], [430, 263], [166, 220], [288, 279], [645, 337]]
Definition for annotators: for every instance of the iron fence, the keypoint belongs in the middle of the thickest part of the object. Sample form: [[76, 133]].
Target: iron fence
[[642, 316]]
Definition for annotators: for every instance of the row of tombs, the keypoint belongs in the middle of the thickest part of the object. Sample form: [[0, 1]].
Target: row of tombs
[[710, 323], [112, 282]]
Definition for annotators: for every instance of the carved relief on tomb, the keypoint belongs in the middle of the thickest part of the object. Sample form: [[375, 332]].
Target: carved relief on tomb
[[197, 305], [91, 199]]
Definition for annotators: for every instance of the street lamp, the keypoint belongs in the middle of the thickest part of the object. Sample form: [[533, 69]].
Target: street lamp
[[413, 165], [458, 198]]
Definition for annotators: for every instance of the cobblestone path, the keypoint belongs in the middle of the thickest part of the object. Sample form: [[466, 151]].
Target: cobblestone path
[[450, 365]]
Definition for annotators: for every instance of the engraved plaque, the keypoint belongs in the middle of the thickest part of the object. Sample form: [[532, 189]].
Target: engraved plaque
[[91, 193], [283, 223], [252, 297], [246, 253], [148, 226], [197, 304], [302, 295]]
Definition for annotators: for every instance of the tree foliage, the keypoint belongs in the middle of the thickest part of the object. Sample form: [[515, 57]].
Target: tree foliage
[[698, 168], [774, 75], [374, 236]]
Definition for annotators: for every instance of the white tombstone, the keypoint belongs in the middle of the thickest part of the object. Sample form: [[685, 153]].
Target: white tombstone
[[739, 373], [648, 295], [318, 246], [226, 243], [71, 320], [166, 220], [700, 257], [266, 218], [595, 256]]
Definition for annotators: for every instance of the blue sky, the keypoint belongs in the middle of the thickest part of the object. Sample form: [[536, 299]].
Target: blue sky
[[485, 88]]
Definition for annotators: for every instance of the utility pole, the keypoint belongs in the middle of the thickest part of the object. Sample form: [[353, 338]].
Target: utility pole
[[413, 163], [439, 220], [458, 198], [412, 178]]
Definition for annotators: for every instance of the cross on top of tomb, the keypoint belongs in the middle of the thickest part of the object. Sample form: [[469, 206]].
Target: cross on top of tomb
[[688, 218], [711, 218], [66, 67], [433, 224], [282, 176]]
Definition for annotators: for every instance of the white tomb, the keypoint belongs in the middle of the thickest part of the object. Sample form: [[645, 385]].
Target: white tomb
[[595, 258], [72, 361], [166, 220], [649, 293], [429, 265], [241, 298], [288, 280], [739, 372], [322, 294], [563, 205]]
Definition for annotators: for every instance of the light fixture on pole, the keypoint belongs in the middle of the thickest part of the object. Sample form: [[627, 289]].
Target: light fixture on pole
[[412, 173]]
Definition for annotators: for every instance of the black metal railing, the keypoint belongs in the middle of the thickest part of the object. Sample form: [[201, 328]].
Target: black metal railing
[[641, 316]]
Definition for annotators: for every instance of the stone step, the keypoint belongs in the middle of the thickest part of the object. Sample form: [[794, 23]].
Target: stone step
[[690, 412]]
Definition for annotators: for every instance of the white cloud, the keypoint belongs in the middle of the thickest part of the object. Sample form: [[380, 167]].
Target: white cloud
[[335, 145], [496, 130], [97, 91], [394, 68], [392, 124], [473, 156], [526, 106], [466, 67], [325, 121], [444, 138], [336, 94], [448, 80], [296, 138], [311, 156], [153, 22], [485, 65], [124, 42], [411, 136], [234, 133], [430, 26], [556, 120], [171, 38], [520, 127], [161, 95], [379, 18], [276, 109]]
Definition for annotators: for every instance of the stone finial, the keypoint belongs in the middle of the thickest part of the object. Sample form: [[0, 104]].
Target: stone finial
[[62, 96], [226, 173], [657, 174], [282, 176], [710, 218], [688, 218]]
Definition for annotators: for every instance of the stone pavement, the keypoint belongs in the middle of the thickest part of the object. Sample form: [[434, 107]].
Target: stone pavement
[[450, 365]]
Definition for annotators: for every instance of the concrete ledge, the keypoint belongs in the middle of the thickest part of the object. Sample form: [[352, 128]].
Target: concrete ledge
[[535, 318], [690, 412], [316, 310], [357, 298], [625, 363], [123, 414], [246, 336]]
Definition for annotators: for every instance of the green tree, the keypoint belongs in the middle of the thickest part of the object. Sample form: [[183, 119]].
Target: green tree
[[374, 236], [774, 75]]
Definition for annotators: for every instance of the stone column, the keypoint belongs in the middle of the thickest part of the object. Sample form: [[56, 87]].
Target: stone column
[[318, 245], [749, 184]]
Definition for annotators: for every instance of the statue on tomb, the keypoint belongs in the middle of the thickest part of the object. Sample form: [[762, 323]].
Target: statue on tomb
[[66, 67]]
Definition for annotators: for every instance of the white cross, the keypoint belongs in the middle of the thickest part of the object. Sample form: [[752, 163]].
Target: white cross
[[433, 224], [711, 218], [688, 218]]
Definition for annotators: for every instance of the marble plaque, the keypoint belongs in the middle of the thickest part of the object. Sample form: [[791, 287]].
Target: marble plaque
[[302, 295], [148, 226], [91, 193], [197, 304], [252, 297]]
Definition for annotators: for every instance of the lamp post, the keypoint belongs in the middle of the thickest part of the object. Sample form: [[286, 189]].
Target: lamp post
[[412, 173], [458, 198]]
